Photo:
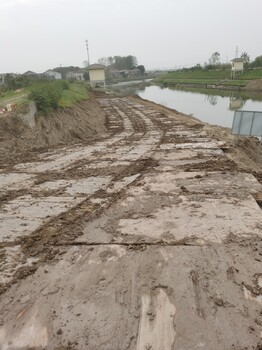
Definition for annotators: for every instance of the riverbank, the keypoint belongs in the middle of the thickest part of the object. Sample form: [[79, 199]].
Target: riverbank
[[217, 79], [82, 122], [73, 93]]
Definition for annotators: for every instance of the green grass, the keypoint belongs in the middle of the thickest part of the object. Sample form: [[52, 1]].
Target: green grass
[[252, 74], [188, 81], [235, 83], [203, 75], [212, 77], [75, 93], [21, 96], [245, 95]]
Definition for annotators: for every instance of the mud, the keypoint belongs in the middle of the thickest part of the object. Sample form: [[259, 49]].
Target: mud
[[18, 141], [148, 237]]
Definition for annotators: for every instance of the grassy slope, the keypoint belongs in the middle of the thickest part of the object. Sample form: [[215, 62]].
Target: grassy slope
[[13, 97], [76, 92], [209, 77]]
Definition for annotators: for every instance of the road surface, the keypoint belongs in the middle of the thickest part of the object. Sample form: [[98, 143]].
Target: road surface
[[148, 239]]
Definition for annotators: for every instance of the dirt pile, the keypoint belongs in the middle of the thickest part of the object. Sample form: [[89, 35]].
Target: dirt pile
[[245, 152], [82, 122], [254, 85]]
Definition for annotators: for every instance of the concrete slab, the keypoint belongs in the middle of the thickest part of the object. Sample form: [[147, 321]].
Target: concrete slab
[[12, 259], [25, 214], [15, 181], [85, 186], [201, 145], [143, 298], [210, 220], [88, 186], [120, 185], [12, 227], [105, 164], [176, 155]]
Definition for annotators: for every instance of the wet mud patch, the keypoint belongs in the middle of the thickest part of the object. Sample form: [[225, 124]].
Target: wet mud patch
[[140, 295], [67, 226], [218, 164]]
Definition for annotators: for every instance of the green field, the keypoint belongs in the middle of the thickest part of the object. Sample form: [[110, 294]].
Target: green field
[[210, 77], [75, 93], [13, 97]]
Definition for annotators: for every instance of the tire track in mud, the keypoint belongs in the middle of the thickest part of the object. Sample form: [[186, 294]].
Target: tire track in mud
[[133, 131], [154, 259]]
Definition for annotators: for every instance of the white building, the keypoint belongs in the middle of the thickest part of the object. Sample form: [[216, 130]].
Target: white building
[[97, 75], [237, 67], [29, 73], [75, 76], [51, 74]]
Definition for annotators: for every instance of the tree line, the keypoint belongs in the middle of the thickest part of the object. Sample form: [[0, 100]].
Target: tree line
[[214, 62], [121, 63]]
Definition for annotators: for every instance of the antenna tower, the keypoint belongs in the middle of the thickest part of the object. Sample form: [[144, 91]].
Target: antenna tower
[[87, 51], [236, 52]]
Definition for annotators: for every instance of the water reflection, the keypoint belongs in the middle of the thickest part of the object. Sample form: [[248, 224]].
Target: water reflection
[[212, 99], [211, 106], [236, 103]]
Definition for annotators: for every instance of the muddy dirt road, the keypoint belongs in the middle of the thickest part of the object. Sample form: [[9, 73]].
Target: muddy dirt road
[[148, 239]]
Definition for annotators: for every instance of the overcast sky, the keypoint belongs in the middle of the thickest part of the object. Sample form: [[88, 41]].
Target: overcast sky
[[41, 34]]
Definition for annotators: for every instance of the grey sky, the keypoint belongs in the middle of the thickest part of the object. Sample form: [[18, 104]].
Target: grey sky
[[42, 34]]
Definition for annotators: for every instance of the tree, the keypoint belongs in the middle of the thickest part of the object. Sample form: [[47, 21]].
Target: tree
[[245, 57], [130, 62], [214, 60], [119, 62], [141, 68], [257, 62], [110, 60], [103, 61]]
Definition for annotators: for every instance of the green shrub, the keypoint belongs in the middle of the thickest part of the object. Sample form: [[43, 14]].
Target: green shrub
[[48, 94]]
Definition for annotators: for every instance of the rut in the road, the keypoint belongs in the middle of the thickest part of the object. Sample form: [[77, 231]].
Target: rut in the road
[[152, 241], [62, 186]]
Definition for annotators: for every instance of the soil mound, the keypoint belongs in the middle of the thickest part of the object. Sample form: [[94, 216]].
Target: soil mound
[[84, 121], [254, 85]]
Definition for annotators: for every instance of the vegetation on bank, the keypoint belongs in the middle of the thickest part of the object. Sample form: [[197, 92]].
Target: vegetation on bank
[[208, 77], [12, 94], [243, 94], [51, 95], [214, 72]]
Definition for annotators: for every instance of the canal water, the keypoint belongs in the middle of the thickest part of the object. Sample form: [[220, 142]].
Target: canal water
[[214, 107]]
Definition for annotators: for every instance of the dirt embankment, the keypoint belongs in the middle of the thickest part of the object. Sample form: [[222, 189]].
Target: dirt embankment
[[255, 85], [82, 122]]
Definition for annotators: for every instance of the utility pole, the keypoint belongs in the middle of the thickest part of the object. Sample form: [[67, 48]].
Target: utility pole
[[236, 52], [87, 50]]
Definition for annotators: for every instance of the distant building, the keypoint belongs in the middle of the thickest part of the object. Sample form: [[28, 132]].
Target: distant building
[[237, 67], [125, 73], [29, 73], [2, 79], [97, 75], [75, 76], [51, 74]]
